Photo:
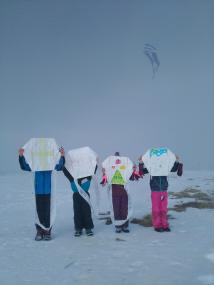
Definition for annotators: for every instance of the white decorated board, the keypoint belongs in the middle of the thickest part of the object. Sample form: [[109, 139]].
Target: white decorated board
[[118, 169], [41, 154], [159, 161], [81, 162]]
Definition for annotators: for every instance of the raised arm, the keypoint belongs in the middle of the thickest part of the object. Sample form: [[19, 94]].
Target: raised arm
[[23, 164], [142, 169], [61, 162], [67, 174], [104, 177], [176, 165], [136, 175]]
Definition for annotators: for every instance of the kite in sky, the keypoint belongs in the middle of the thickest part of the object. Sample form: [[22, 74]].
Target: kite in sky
[[151, 52]]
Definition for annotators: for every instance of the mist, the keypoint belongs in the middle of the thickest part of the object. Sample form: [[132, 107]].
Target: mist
[[76, 71]]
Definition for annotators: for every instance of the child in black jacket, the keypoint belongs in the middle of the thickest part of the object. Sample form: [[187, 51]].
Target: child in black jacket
[[159, 195]]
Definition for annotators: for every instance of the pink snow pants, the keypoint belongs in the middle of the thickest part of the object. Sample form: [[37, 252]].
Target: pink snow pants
[[159, 209]]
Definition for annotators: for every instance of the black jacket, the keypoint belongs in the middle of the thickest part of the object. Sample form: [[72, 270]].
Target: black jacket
[[158, 183]]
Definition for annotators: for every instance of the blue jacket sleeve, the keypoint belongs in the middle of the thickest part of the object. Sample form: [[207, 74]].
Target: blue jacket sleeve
[[23, 164], [61, 164]]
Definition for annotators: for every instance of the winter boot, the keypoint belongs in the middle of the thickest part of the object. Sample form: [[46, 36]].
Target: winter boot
[[125, 230], [39, 236], [108, 221], [167, 229], [160, 230], [47, 235], [78, 233], [118, 230], [89, 232]]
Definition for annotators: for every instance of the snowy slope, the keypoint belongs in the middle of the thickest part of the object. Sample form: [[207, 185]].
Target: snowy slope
[[184, 256]]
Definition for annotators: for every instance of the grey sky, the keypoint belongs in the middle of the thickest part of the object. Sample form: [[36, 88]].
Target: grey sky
[[76, 71]]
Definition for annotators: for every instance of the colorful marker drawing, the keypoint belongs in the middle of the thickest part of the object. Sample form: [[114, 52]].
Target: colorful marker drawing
[[158, 151]]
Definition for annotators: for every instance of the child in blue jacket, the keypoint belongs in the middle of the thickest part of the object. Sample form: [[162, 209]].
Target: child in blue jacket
[[82, 209], [42, 185]]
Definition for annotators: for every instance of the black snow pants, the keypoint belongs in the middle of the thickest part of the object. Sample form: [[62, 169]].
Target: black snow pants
[[43, 208], [82, 213]]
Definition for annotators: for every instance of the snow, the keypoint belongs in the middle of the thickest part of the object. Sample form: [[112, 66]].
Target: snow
[[183, 256]]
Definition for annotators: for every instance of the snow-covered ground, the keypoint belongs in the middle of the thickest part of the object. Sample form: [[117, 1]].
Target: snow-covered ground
[[184, 256]]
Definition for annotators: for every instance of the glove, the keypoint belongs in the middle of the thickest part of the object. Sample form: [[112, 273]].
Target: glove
[[104, 180], [135, 175]]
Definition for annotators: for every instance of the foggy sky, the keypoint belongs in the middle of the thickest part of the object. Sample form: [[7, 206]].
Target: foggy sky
[[76, 71]]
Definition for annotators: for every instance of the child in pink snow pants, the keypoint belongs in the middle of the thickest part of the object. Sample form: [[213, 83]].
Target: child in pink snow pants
[[159, 197], [159, 209]]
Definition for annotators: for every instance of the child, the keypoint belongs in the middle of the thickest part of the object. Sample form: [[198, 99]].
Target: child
[[82, 209], [81, 165], [159, 184], [117, 171], [43, 187]]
